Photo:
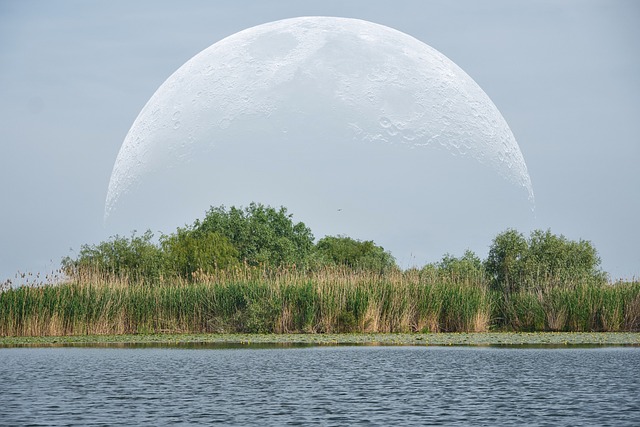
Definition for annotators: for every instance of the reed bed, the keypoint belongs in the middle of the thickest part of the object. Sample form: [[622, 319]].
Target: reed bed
[[332, 300]]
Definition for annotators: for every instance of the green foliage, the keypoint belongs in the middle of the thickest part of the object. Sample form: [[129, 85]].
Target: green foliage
[[261, 310], [333, 300], [557, 257], [516, 263], [504, 261], [467, 268], [261, 234], [257, 235], [187, 251], [345, 251], [136, 257], [347, 322]]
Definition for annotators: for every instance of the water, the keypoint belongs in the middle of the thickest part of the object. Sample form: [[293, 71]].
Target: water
[[320, 386]]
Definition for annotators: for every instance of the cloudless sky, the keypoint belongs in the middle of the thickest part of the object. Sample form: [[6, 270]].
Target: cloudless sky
[[75, 74]]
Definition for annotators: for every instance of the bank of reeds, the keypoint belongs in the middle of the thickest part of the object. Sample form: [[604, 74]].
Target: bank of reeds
[[327, 301]]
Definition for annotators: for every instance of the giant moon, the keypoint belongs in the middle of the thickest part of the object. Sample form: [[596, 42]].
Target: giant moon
[[355, 127]]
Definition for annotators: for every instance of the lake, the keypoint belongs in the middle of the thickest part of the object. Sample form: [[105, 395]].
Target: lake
[[354, 385]]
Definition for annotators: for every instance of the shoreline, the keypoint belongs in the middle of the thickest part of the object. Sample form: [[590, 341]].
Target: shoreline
[[479, 339]]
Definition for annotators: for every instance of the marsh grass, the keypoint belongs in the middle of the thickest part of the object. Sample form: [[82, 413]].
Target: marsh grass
[[329, 300]]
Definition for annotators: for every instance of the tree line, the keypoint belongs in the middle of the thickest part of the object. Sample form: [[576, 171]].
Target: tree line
[[263, 236], [256, 235]]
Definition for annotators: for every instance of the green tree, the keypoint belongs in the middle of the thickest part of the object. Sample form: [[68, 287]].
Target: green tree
[[545, 259], [504, 262], [261, 234], [187, 251], [466, 268], [135, 257], [342, 250], [555, 258]]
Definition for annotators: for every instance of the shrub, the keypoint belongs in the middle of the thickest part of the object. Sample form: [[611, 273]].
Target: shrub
[[467, 268], [556, 257], [345, 251], [504, 262], [137, 257], [187, 251], [545, 259], [261, 234]]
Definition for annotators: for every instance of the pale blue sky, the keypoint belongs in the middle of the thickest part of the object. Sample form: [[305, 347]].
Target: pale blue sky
[[75, 74]]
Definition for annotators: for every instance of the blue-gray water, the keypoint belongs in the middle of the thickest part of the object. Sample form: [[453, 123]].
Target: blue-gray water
[[320, 386]]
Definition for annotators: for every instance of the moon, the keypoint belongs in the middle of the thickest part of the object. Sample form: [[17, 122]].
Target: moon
[[278, 110]]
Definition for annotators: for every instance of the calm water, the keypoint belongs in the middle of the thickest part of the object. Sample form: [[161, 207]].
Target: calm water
[[321, 386]]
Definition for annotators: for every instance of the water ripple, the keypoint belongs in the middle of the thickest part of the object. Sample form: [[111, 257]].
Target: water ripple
[[320, 386]]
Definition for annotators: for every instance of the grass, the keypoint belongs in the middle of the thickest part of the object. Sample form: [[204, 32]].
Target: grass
[[330, 301]]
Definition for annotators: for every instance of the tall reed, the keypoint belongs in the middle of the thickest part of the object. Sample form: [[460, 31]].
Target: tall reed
[[291, 301]]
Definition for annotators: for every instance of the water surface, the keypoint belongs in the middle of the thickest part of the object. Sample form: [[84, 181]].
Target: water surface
[[320, 386]]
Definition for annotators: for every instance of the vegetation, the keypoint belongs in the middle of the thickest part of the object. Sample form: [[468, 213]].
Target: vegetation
[[188, 252], [515, 263], [355, 254], [467, 269], [255, 300], [135, 257], [254, 270], [519, 339], [253, 236], [262, 235]]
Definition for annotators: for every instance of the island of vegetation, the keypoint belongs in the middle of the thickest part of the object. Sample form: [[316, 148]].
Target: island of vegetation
[[254, 270]]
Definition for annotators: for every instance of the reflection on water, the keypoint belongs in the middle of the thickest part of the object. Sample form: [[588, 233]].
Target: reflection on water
[[320, 385]]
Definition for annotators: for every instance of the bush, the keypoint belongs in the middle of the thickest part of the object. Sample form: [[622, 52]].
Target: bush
[[558, 258], [467, 268], [345, 251], [262, 235], [137, 257], [515, 263], [504, 262], [256, 235], [187, 252]]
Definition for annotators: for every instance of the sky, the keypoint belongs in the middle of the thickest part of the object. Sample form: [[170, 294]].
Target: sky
[[564, 74]]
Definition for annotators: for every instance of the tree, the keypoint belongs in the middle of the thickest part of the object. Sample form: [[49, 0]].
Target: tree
[[503, 263], [187, 251], [467, 267], [342, 250], [515, 263], [136, 257], [261, 234], [557, 258]]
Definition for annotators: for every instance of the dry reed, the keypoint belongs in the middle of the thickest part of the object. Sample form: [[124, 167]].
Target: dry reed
[[325, 301]]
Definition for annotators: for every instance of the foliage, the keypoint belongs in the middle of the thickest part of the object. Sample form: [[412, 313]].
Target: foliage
[[256, 235], [261, 234], [268, 238], [516, 263], [356, 254], [187, 251], [557, 257], [466, 268], [505, 258], [136, 257], [331, 300]]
